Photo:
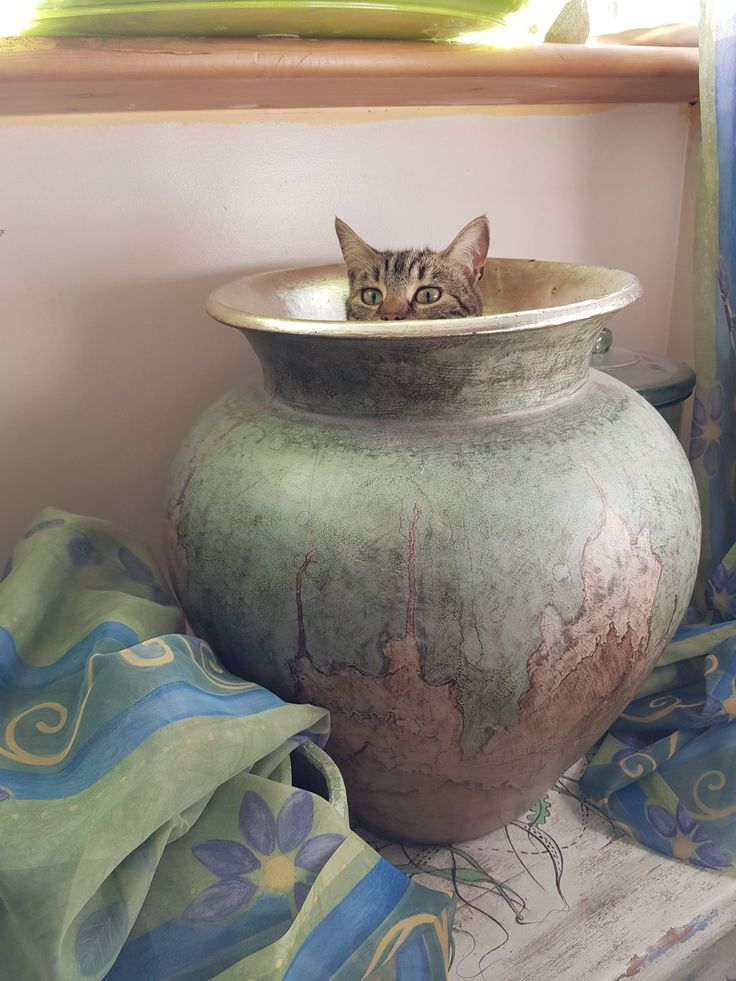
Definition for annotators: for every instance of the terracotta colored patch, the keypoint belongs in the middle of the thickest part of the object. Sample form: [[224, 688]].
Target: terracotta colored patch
[[620, 573], [675, 935], [408, 706], [397, 737]]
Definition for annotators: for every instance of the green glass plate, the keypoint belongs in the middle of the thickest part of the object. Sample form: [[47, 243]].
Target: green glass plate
[[424, 20]]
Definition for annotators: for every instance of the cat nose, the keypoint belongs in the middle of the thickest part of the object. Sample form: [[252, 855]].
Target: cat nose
[[393, 311]]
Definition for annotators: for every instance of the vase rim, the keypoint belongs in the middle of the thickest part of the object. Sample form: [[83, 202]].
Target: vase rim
[[227, 304]]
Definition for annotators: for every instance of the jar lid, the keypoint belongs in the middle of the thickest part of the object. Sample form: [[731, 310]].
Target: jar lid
[[660, 381]]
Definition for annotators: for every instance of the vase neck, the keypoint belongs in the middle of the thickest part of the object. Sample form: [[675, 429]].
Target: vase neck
[[490, 374]]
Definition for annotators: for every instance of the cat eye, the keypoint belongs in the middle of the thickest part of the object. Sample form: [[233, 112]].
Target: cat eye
[[428, 294], [371, 297]]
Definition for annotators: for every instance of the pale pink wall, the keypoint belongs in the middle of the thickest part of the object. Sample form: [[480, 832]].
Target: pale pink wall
[[116, 230]]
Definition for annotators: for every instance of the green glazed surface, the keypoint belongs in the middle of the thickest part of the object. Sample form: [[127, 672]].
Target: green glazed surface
[[456, 537]]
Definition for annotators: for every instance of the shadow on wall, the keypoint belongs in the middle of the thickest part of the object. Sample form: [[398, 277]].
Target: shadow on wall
[[136, 364]]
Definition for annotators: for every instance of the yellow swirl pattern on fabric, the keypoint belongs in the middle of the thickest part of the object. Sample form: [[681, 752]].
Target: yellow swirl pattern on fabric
[[16, 752], [663, 705], [401, 931], [148, 662], [711, 663], [708, 813], [639, 769], [210, 668]]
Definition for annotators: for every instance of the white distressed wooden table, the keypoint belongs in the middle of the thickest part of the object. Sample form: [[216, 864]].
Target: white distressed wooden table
[[558, 896]]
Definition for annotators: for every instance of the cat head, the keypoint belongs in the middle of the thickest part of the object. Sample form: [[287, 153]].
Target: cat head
[[415, 284]]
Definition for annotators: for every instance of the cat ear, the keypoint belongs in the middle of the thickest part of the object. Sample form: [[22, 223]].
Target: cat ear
[[469, 248], [355, 251]]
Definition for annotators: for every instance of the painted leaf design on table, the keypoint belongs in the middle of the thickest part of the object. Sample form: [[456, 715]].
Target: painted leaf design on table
[[550, 846], [539, 812], [100, 938], [459, 874]]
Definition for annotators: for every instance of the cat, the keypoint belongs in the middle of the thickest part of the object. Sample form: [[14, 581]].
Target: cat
[[415, 284]]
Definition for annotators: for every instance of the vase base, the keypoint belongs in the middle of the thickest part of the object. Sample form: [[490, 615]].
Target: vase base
[[436, 829]]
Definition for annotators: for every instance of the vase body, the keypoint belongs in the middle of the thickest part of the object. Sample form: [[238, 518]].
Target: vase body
[[460, 540]]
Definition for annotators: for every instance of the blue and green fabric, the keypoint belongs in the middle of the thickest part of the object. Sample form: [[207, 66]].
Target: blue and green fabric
[[666, 771], [149, 825]]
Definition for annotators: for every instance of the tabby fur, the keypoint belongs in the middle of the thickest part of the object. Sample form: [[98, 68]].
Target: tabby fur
[[392, 285]]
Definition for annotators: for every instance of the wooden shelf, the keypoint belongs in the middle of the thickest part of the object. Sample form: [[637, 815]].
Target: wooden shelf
[[76, 75]]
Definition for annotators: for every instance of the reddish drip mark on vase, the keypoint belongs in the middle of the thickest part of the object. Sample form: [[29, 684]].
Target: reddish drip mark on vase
[[411, 554], [400, 737], [301, 635]]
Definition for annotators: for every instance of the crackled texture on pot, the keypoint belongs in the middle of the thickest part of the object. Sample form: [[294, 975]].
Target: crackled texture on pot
[[474, 591], [578, 662]]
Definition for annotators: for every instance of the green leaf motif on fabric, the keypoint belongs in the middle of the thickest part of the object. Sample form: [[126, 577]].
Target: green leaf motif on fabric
[[539, 812], [100, 938]]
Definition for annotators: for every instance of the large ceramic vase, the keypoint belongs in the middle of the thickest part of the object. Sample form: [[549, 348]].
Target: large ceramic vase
[[457, 537]]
